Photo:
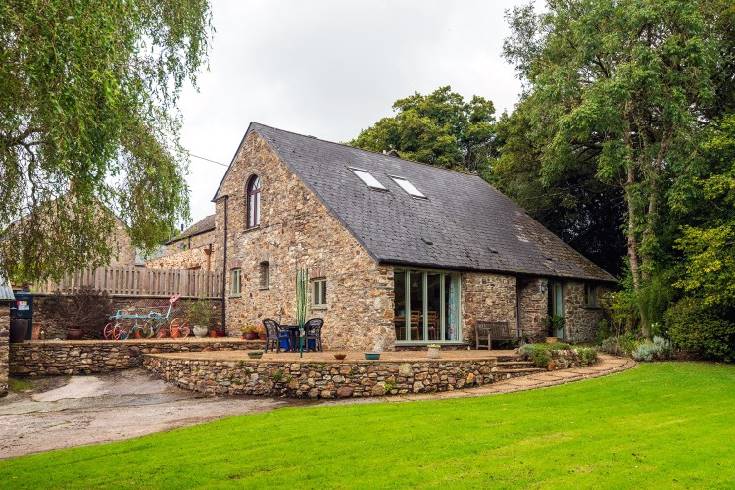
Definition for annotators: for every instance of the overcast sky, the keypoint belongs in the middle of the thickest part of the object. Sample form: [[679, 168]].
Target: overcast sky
[[332, 68]]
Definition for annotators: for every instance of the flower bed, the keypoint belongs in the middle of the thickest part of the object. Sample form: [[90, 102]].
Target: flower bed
[[558, 355]]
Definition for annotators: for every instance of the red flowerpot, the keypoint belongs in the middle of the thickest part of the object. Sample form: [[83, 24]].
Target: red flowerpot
[[73, 333], [251, 336], [175, 332], [213, 333]]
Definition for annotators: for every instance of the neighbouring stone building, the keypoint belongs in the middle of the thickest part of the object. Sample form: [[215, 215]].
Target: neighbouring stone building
[[399, 253], [194, 248], [6, 297]]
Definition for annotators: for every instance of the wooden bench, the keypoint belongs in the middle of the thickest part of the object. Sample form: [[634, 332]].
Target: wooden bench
[[488, 331]]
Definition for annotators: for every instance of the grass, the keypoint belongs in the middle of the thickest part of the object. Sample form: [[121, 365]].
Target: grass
[[18, 385], [667, 425]]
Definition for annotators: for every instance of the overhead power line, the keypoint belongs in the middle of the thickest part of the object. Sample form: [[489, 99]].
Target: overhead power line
[[208, 160]]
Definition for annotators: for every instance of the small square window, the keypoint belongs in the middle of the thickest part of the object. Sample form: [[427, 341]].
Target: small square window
[[319, 292], [408, 186], [590, 296], [265, 275], [235, 284]]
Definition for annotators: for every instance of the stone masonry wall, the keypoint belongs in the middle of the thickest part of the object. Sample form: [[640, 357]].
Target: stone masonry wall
[[534, 307], [53, 357], [4, 353], [324, 379], [487, 297], [296, 230], [42, 319], [202, 257], [581, 321]]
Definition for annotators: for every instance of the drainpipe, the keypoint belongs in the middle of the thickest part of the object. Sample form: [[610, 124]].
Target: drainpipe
[[224, 268]]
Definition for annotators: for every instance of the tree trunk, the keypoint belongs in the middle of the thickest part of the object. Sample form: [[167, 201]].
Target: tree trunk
[[632, 242]]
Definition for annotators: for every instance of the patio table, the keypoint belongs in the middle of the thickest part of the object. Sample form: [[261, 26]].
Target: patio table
[[293, 337]]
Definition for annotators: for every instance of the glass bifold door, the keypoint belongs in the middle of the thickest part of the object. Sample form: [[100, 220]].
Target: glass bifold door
[[427, 306]]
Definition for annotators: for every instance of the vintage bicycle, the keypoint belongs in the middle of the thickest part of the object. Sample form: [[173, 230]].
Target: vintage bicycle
[[134, 323]]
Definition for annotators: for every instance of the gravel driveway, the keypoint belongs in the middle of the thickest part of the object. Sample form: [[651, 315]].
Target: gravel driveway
[[68, 411]]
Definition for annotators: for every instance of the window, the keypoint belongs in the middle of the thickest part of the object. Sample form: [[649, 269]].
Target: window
[[253, 201], [427, 306], [319, 292], [407, 186], [264, 275], [590, 296], [556, 309], [369, 180], [235, 284]]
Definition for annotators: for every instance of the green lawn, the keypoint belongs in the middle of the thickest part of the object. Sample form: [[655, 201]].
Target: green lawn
[[656, 426]]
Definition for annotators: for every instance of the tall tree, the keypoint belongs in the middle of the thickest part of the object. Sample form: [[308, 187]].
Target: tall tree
[[440, 129], [630, 81], [87, 117]]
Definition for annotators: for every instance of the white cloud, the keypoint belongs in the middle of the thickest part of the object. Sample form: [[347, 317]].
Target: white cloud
[[330, 68]]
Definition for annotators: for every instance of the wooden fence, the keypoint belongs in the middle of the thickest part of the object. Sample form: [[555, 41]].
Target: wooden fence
[[139, 281]]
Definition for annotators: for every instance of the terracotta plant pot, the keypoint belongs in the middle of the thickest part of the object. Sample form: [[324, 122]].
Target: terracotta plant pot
[[73, 333], [340, 357], [175, 332], [213, 333], [138, 334], [262, 336], [251, 336]]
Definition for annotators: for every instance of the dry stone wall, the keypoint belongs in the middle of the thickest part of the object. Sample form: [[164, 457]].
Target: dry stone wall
[[54, 357], [296, 230], [322, 380]]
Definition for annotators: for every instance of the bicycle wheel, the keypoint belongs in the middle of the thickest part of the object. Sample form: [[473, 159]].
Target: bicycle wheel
[[183, 326], [108, 331], [119, 332]]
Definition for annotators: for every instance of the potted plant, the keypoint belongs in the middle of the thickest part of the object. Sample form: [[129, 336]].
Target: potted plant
[[375, 354], [213, 332], [249, 332], [200, 315], [261, 332], [340, 356], [255, 354], [433, 351]]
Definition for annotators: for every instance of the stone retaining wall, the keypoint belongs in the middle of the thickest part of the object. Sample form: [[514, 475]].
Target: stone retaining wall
[[54, 357], [340, 379], [4, 334]]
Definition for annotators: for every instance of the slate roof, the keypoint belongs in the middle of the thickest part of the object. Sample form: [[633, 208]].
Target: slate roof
[[202, 226], [464, 224]]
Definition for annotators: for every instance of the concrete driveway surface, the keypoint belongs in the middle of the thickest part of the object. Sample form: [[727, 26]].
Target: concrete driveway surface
[[62, 412]]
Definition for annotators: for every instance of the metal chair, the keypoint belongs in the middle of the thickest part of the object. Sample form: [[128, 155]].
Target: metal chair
[[313, 331], [272, 334]]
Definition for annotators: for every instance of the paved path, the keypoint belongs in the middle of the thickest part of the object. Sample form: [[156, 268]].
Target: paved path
[[71, 411], [607, 365]]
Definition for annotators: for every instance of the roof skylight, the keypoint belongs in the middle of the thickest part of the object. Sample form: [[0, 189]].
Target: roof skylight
[[369, 180], [407, 186]]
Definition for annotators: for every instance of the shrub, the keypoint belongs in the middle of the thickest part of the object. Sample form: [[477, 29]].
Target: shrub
[[200, 313], [621, 345], [705, 331], [587, 355], [540, 354], [657, 350]]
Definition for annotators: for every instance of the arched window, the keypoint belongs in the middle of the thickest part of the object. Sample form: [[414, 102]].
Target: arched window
[[253, 201]]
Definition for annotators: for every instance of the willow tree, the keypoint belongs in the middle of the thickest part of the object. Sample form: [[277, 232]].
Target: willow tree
[[629, 83], [88, 122]]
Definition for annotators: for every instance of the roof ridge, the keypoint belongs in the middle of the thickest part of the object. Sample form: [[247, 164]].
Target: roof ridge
[[469, 174]]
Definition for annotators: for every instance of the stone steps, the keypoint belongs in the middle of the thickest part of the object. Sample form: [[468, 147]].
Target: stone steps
[[514, 364]]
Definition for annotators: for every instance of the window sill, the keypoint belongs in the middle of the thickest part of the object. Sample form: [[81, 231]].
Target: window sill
[[588, 307], [320, 307], [264, 288], [238, 296], [253, 228]]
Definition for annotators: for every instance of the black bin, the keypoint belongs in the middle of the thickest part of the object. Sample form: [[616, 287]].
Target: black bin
[[21, 316]]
